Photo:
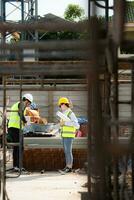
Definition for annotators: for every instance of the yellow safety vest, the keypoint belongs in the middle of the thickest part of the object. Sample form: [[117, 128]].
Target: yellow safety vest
[[68, 131], [14, 119]]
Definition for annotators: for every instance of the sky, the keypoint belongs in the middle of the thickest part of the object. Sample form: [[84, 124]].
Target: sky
[[56, 7]]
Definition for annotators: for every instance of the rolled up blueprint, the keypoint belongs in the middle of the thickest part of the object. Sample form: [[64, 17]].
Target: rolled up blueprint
[[63, 117]]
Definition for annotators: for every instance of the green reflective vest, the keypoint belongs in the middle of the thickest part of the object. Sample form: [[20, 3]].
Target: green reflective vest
[[68, 131], [14, 120]]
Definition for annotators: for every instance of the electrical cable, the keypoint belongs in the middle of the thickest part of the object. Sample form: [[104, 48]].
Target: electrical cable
[[15, 176], [101, 6], [7, 198], [12, 170]]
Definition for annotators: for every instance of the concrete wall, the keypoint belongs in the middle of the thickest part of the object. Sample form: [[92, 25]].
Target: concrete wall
[[125, 98], [47, 101]]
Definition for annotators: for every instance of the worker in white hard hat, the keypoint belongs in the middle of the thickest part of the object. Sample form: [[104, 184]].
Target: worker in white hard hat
[[15, 125]]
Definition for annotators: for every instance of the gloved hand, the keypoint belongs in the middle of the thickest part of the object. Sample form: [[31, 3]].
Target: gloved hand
[[62, 123]]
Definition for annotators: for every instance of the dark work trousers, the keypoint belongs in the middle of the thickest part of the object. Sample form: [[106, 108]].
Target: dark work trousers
[[14, 134]]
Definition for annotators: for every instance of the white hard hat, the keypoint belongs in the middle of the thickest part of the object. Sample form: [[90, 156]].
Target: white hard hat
[[28, 96]]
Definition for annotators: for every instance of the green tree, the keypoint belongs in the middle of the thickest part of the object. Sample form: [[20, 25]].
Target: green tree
[[74, 13]]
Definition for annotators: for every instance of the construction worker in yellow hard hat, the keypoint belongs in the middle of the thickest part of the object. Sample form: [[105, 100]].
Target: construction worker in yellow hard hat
[[16, 122], [68, 131], [63, 100]]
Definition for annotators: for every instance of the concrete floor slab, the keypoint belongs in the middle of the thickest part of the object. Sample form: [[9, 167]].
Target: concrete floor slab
[[47, 186]]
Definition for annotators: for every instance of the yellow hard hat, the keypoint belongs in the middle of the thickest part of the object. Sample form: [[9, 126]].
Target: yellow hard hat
[[63, 100]]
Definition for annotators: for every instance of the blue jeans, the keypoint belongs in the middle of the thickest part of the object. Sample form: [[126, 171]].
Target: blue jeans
[[67, 145]]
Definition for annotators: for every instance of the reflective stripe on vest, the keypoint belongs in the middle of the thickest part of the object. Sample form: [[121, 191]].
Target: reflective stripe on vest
[[68, 131], [14, 120]]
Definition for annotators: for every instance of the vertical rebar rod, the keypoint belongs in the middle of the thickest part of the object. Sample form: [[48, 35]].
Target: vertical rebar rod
[[107, 132], [89, 7], [114, 129], [96, 131], [22, 18], [107, 13], [4, 142], [96, 160], [36, 31], [132, 136], [20, 131], [3, 10]]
